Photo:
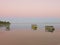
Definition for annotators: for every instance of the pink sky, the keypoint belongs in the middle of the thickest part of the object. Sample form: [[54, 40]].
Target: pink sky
[[30, 8]]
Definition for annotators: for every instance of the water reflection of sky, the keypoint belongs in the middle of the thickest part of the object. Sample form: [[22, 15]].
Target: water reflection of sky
[[28, 26], [20, 26]]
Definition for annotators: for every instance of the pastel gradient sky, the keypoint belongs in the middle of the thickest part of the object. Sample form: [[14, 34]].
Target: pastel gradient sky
[[30, 8], [26, 11]]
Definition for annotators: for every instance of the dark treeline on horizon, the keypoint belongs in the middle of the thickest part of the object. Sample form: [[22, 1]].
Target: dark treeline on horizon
[[4, 22]]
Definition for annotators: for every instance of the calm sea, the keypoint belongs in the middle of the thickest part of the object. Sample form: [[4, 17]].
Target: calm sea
[[15, 34], [27, 26]]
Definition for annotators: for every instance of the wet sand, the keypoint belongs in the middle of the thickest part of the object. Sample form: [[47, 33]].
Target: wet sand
[[29, 37]]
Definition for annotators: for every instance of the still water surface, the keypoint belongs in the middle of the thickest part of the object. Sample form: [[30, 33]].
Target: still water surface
[[28, 26], [22, 34], [22, 26]]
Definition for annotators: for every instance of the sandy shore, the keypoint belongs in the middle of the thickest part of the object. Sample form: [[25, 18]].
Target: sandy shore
[[28, 37]]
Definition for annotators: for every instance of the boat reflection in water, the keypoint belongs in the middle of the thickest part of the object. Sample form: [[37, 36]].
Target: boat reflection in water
[[34, 26], [7, 27], [5, 24], [49, 28]]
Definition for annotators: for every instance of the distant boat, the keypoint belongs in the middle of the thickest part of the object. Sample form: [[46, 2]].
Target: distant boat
[[49, 28], [34, 26]]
